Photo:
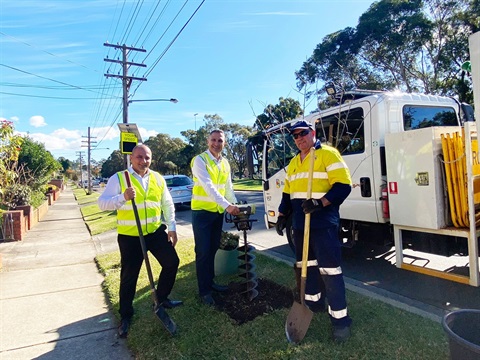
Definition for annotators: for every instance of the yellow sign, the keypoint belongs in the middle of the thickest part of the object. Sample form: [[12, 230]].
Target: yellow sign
[[127, 142], [130, 137]]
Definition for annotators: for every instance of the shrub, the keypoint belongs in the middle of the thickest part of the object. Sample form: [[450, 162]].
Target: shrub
[[16, 195], [229, 241]]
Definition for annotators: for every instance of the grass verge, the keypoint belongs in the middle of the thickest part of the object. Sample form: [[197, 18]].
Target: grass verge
[[248, 184], [380, 331], [97, 221]]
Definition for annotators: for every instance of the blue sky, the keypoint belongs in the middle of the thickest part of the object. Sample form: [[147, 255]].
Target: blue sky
[[232, 59]]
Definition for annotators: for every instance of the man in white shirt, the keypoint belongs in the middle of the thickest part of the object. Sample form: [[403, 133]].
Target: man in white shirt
[[212, 195]]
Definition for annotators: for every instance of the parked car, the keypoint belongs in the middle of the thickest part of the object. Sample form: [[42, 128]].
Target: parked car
[[180, 187]]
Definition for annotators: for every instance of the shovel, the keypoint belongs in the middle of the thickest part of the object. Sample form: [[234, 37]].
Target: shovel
[[300, 316], [160, 312]]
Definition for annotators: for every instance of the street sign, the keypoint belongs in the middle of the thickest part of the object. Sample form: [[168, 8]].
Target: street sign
[[127, 142]]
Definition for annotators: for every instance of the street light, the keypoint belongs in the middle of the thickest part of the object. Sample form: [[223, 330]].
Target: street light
[[171, 100]]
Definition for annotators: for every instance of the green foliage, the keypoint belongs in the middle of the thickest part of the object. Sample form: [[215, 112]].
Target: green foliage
[[10, 146], [166, 154], [114, 163], [37, 198], [17, 195], [229, 241], [286, 110], [38, 164], [414, 46]]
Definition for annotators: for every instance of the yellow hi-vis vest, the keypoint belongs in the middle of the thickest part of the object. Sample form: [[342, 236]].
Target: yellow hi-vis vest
[[219, 176], [148, 205], [329, 168]]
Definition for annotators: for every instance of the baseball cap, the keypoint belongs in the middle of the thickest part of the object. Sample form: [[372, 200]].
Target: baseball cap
[[300, 124]]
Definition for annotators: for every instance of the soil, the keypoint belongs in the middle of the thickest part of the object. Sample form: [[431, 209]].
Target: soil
[[236, 302]]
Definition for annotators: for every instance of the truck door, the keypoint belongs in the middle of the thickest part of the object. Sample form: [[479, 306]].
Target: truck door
[[348, 128]]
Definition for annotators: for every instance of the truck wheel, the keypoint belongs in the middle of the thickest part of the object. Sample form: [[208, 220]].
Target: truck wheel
[[289, 231]]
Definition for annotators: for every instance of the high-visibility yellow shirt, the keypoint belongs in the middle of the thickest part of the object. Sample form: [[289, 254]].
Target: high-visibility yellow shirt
[[148, 205], [219, 175], [329, 168]]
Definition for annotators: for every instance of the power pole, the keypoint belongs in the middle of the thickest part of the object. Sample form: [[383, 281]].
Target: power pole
[[80, 153], [126, 79], [89, 149]]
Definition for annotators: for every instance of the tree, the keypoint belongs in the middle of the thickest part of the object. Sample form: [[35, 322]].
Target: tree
[[166, 153], [113, 164], [38, 163], [286, 109], [10, 146], [411, 45], [237, 136], [66, 163]]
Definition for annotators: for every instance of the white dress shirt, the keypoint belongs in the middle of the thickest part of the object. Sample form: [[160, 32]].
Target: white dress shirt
[[112, 197]]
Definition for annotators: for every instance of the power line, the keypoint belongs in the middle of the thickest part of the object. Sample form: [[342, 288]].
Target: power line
[[48, 97], [46, 78]]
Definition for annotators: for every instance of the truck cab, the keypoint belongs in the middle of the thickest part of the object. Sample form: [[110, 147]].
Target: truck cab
[[358, 127]]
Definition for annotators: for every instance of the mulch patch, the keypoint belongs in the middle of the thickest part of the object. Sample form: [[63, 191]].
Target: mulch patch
[[236, 303]]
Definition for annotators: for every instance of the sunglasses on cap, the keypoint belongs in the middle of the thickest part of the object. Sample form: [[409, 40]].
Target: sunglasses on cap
[[301, 134]]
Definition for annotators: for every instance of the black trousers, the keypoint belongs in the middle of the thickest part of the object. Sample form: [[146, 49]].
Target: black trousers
[[131, 262]]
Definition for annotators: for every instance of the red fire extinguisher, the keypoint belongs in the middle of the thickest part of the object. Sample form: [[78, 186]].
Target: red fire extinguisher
[[384, 198]]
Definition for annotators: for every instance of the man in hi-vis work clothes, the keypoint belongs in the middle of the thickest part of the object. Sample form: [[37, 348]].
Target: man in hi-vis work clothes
[[212, 196], [153, 199], [330, 186]]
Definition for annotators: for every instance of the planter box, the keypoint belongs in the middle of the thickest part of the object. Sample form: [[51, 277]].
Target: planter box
[[226, 262]]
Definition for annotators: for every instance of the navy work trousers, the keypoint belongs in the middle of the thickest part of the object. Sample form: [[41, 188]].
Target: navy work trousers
[[207, 231], [326, 275]]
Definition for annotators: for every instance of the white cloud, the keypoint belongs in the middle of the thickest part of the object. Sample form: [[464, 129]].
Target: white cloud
[[67, 134], [145, 134], [104, 133], [37, 121], [14, 118], [55, 141]]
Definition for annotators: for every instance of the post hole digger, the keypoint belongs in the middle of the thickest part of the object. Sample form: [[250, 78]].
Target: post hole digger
[[160, 312], [300, 316]]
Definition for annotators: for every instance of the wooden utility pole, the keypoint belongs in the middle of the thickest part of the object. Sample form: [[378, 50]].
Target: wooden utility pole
[[89, 149], [126, 79]]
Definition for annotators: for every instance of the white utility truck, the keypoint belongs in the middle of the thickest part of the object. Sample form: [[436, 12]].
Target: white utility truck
[[392, 144]]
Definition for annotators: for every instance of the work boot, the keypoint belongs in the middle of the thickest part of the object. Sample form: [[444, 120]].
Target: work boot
[[207, 300], [123, 328], [341, 334], [170, 304]]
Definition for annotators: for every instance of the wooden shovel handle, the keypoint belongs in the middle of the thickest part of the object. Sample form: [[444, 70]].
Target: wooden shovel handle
[[306, 232]]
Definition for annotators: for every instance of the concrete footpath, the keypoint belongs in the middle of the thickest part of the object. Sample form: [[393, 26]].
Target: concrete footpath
[[51, 302]]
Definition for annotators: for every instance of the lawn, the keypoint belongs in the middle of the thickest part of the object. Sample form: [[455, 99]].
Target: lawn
[[380, 331], [97, 221], [248, 184]]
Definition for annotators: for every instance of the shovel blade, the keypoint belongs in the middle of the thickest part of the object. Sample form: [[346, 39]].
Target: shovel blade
[[167, 322], [298, 321]]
